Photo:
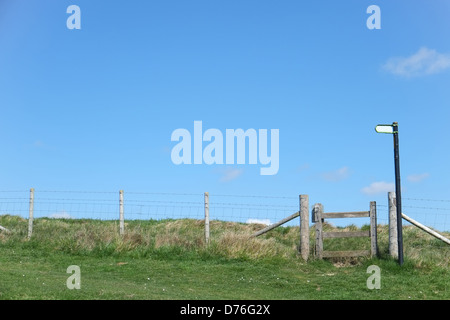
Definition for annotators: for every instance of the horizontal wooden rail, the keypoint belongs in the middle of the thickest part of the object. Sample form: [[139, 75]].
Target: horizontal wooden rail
[[348, 234], [4, 229], [357, 214], [339, 254], [426, 229]]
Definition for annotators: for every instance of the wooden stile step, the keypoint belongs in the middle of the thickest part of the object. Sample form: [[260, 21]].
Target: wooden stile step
[[345, 254]]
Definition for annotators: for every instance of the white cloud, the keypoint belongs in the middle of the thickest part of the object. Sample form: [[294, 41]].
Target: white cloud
[[378, 187], [337, 175], [417, 177], [423, 62], [229, 174], [260, 221], [60, 215]]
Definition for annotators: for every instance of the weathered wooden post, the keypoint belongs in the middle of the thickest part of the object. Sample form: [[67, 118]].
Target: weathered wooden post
[[317, 218], [393, 239], [207, 217], [373, 229], [121, 215], [304, 226], [31, 213]]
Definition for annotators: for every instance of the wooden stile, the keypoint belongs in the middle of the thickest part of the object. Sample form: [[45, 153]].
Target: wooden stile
[[346, 234], [345, 254], [319, 218]]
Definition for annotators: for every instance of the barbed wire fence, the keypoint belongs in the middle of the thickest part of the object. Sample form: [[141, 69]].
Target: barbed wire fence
[[106, 205]]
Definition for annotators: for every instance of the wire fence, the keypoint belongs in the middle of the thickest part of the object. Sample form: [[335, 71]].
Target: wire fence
[[146, 206], [14, 203], [252, 208], [434, 213]]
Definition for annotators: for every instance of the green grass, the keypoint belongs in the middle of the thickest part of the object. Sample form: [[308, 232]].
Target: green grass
[[169, 260]]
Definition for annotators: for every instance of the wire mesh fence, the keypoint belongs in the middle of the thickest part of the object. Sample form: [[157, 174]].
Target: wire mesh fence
[[141, 207], [433, 213], [159, 206], [105, 205], [14, 203], [147, 205], [252, 208], [76, 205]]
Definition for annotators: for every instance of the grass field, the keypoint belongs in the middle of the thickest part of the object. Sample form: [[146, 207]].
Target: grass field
[[168, 260]]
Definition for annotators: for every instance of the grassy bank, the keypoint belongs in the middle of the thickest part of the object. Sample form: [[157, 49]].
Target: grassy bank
[[168, 259]]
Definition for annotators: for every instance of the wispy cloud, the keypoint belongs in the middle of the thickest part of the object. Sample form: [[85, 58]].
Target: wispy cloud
[[303, 167], [417, 177], [230, 174], [337, 175], [423, 62], [378, 187], [39, 144]]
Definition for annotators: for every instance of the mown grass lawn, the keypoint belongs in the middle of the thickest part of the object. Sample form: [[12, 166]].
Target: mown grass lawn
[[176, 266]]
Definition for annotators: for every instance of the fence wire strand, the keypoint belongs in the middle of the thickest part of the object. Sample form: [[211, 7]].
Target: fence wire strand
[[265, 209]]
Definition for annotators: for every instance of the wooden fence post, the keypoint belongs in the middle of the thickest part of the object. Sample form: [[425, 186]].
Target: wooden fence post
[[373, 229], [121, 215], [304, 226], [207, 217], [393, 239], [317, 218], [31, 213]]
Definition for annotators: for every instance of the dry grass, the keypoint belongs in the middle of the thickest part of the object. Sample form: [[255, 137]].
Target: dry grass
[[228, 239], [238, 245], [425, 249]]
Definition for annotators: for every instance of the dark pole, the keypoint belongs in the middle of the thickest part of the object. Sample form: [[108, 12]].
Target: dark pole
[[398, 194]]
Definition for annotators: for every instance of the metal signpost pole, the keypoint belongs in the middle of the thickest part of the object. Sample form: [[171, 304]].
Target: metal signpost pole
[[393, 129], [398, 193]]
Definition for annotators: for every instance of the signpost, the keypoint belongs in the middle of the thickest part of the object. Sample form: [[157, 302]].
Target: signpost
[[393, 129]]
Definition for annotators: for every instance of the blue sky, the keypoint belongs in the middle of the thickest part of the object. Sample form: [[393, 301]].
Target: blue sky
[[94, 109]]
